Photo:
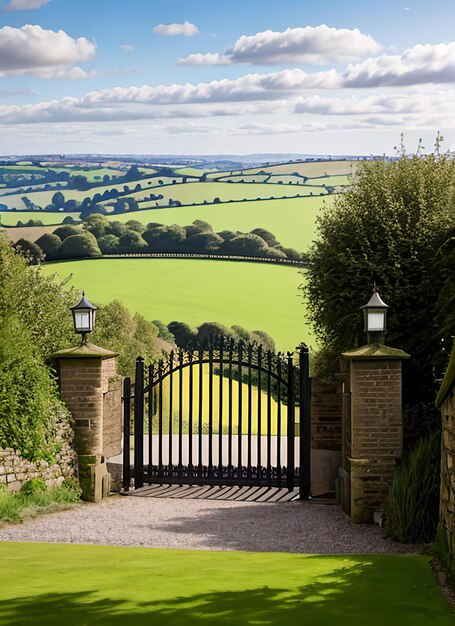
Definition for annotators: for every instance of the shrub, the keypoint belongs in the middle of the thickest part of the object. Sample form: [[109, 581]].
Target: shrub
[[109, 244], [411, 508], [30, 251], [66, 231], [132, 242], [80, 246], [34, 485]]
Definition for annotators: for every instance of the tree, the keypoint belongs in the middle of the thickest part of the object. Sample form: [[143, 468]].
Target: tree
[[209, 332], [163, 331], [109, 244], [66, 231], [267, 236], [30, 251], [50, 244], [203, 242], [132, 242], [80, 247], [198, 226], [117, 228], [135, 225], [96, 224], [80, 183], [58, 200], [165, 238], [387, 228], [264, 339], [183, 334], [249, 244]]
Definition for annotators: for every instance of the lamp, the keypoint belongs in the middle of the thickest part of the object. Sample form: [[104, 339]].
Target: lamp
[[375, 318], [84, 317]]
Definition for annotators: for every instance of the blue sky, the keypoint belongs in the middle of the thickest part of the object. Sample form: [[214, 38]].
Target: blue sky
[[206, 77]]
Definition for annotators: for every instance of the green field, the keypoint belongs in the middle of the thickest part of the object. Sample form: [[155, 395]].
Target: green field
[[196, 193], [310, 169], [291, 220], [10, 218], [43, 198], [77, 585], [254, 295]]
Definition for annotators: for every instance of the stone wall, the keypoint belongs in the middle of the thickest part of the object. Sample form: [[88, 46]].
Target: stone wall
[[15, 470]]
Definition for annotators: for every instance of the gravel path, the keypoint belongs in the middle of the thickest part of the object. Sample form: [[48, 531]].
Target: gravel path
[[208, 525]]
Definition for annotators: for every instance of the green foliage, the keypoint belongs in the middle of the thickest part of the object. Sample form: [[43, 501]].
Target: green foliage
[[412, 506], [389, 227], [27, 393], [98, 225], [203, 242], [184, 335], [267, 236], [129, 335], [67, 231], [17, 507], [79, 247], [30, 251], [132, 242], [33, 485], [109, 244], [163, 331], [49, 243]]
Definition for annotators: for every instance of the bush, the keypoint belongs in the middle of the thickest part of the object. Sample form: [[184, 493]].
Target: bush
[[15, 507], [34, 485], [80, 246], [109, 244], [49, 244], [67, 231], [412, 507], [30, 251]]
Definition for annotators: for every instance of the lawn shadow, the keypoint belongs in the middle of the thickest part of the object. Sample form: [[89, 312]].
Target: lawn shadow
[[348, 595]]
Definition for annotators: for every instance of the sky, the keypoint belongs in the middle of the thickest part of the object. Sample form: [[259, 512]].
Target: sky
[[237, 77]]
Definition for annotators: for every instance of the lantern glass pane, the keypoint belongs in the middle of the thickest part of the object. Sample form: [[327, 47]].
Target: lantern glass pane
[[375, 321], [82, 320]]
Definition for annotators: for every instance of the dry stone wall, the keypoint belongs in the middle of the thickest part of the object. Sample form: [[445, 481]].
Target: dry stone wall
[[15, 470]]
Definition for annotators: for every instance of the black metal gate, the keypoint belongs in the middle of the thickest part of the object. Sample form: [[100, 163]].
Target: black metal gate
[[229, 414]]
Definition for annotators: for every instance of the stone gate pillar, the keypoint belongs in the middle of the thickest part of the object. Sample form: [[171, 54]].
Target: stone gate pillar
[[85, 373], [372, 427]]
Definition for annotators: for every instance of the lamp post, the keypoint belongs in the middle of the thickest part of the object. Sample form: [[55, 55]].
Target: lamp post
[[84, 317], [375, 318]]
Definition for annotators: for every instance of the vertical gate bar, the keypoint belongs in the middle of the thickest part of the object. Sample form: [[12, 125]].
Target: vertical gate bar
[[250, 418], [269, 416], [231, 346], [305, 425], [126, 434], [291, 428], [180, 468], [171, 390], [259, 435], [220, 416], [210, 467], [190, 416], [139, 424], [160, 418], [201, 407], [239, 419], [278, 451], [150, 421]]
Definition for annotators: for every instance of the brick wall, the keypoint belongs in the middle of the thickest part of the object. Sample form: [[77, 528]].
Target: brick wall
[[325, 416]]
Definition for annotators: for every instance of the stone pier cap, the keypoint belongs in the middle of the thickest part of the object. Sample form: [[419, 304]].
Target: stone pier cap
[[84, 351], [375, 352]]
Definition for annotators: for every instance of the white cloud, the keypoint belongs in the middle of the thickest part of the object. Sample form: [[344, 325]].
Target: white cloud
[[315, 45], [214, 58], [170, 30], [31, 49], [126, 47], [23, 5]]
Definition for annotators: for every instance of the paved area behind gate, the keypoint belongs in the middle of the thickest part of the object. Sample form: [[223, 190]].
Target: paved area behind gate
[[201, 524]]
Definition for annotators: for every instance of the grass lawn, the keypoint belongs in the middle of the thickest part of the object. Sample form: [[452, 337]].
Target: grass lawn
[[292, 221], [256, 296], [51, 585]]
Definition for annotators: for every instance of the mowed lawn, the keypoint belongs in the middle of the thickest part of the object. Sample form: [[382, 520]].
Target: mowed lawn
[[51, 585], [292, 221], [254, 295]]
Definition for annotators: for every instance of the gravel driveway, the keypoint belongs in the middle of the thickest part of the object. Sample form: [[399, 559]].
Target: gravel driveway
[[305, 527]]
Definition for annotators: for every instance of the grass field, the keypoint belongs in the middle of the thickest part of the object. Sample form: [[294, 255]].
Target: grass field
[[253, 295], [312, 169], [10, 218], [291, 220], [31, 233], [198, 192], [43, 198], [51, 585]]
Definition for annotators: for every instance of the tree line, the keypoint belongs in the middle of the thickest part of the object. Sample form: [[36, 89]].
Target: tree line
[[98, 235]]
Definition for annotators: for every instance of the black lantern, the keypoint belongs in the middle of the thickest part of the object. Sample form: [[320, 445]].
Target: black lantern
[[375, 317], [84, 317]]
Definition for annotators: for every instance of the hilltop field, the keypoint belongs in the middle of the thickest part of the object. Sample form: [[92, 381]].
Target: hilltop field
[[284, 199]]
